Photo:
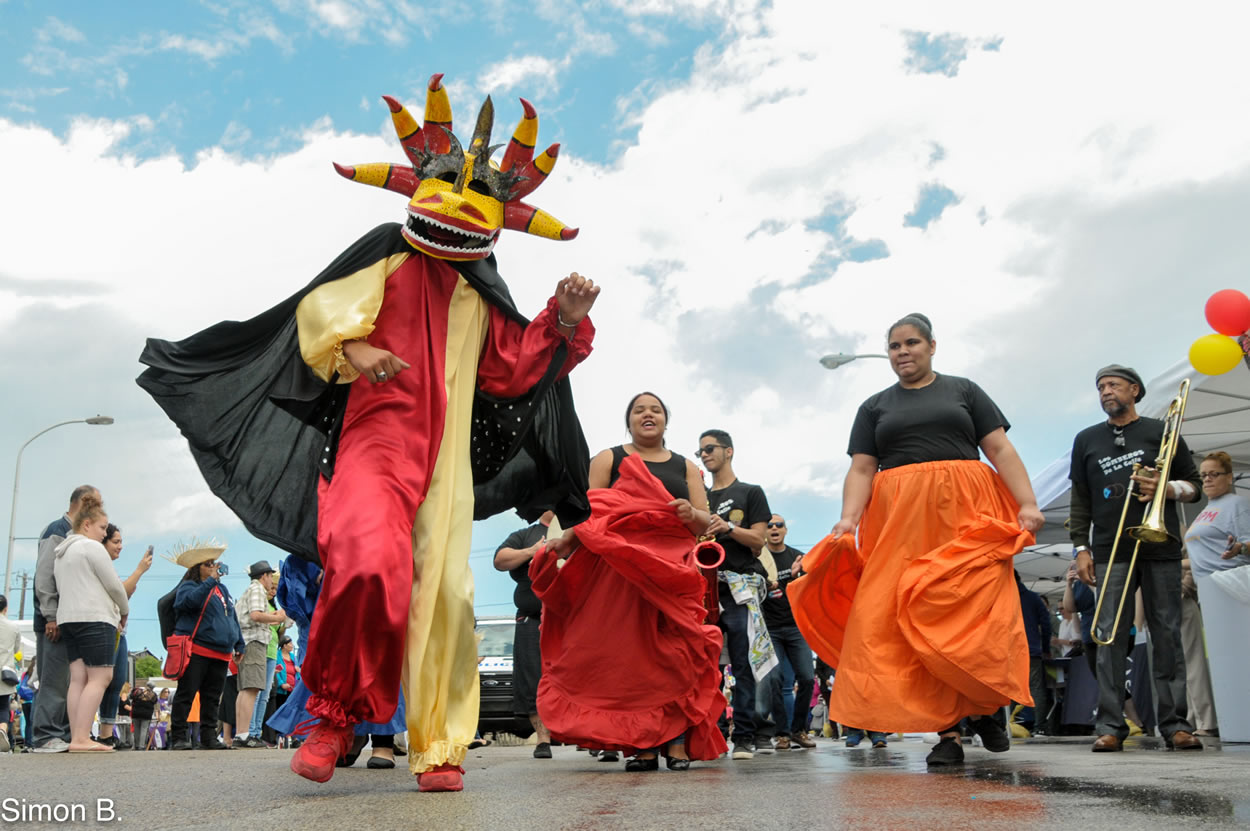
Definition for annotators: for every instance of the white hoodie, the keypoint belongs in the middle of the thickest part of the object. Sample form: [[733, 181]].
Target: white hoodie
[[89, 588]]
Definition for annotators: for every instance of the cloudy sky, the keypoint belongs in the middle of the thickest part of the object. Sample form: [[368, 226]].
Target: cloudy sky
[[757, 184]]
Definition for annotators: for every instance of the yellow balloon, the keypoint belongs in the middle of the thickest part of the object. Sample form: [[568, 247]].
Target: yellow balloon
[[1214, 354]]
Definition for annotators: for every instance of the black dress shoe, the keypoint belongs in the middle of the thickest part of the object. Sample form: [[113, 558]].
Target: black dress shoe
[[676, 764], [380, 763], [181, 744], [214, 744], [636, 765]]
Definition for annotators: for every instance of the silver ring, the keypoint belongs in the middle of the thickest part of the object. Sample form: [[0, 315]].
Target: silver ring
[[381, 376]]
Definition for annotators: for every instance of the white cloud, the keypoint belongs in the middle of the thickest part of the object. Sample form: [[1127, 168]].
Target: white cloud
[[531, 70], [57, 29]]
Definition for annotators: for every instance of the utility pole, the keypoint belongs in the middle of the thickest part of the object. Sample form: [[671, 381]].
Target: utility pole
[[22, 604]]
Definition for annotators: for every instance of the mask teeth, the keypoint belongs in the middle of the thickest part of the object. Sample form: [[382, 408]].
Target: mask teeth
[[447, 226]]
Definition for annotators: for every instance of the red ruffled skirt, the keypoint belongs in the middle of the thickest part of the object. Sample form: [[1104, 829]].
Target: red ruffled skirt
[[922, 623], [628, 663]]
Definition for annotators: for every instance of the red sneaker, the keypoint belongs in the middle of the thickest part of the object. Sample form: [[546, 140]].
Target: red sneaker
[[442, 778], [315, 758]]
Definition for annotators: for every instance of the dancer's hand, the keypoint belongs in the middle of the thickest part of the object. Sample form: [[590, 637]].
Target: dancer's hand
[[575, 294], [844, 526], [685, 511], [378, 365], [563, 546], [1031, 519]]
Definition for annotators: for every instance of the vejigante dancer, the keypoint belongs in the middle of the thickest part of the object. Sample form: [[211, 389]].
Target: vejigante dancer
[[366, 421]]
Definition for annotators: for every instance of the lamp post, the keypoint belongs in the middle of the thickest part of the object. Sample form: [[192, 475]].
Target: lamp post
[[17, 475], [841, 359]]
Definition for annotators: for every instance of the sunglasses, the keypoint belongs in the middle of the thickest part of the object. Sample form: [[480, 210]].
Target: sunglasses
[[776, 525], [210, 564], [708, 449]]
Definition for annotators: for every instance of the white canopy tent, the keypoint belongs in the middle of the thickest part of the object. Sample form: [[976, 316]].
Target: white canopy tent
[[1217, 417]]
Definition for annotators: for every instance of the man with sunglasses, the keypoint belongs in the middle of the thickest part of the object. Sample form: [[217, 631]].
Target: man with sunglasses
[[739, 515], [1102, 477], [792, 649]]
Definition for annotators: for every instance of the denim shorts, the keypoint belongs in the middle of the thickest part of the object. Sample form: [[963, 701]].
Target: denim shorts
[[95, 644]]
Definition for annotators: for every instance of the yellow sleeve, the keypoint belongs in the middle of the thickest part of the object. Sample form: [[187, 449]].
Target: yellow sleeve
[[341, 310]]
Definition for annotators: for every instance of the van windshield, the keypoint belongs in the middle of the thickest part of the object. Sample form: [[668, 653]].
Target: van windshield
[[496, 641]]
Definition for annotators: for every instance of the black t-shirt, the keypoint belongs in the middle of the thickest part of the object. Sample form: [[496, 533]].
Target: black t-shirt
[[527, 603], [672, 473], [1104, 470], [943, 421], [776, 607], [744, 505]]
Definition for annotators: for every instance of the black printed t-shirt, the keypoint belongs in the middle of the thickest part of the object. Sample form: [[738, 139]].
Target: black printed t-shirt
[[776, 607], [743, 505], [1104, 470], [527, 603], [944, 421]]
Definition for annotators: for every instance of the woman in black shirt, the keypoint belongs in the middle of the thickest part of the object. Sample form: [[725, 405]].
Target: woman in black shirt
[[933, 632], [628, 663]]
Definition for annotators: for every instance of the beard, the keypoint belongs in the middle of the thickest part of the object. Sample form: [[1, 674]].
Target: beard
[[1114, 408]]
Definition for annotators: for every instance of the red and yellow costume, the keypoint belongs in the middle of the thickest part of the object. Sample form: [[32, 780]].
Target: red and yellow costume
[[381, 482]]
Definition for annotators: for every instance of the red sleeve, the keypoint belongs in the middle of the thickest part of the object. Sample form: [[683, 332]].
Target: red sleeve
[[516, 358]]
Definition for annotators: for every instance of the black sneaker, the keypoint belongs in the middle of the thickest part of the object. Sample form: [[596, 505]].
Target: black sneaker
[[763, 744], [214, 744], [742, 752], [542, 750], [993, 736], [238, 743], [946, 752], [253, 742], [181, 744]]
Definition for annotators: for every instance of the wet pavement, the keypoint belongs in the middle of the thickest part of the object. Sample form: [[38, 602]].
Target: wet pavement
[[1055, 783]]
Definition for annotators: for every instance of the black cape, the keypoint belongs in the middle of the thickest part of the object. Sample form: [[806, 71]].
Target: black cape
[[262, 426]]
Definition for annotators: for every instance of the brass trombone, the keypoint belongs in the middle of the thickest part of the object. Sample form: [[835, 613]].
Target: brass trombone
[[1153, 529]]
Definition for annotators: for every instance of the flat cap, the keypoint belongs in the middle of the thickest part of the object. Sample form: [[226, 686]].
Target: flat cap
[[1127, 373]]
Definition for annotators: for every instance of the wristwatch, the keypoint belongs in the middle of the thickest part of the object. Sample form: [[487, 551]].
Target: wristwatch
[[1077, 551], [731, 525]]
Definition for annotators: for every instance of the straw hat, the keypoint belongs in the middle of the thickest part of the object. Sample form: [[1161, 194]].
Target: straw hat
[[195, 552]]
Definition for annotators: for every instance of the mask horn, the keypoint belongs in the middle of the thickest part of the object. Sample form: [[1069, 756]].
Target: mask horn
[[406, 128], [437, 114], [536, 172], [482, 131], [518, 216], [397, 177], [521, 149]]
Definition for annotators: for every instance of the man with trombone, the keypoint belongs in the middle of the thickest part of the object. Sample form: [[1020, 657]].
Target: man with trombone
[[1126, 531]]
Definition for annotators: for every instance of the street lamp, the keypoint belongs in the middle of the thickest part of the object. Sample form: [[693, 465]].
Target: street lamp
[[841, 359], [17, 474]]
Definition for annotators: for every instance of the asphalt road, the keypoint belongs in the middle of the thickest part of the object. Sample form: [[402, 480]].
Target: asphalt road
[[1057, 784]]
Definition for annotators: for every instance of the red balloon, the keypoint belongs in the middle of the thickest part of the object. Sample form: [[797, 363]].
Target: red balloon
[[1228, 312]]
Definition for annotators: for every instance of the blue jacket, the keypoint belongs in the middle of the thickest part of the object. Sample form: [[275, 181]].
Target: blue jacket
[[220, 629], [1036, 621]]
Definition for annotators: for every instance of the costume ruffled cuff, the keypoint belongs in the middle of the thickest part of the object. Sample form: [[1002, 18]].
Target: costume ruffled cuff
[[583, 333]]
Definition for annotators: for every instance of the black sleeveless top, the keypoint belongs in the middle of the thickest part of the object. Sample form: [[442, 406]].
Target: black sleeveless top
[[672, 474]]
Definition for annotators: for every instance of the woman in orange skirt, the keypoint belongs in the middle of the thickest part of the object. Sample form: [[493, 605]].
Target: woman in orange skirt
[[922, 621]]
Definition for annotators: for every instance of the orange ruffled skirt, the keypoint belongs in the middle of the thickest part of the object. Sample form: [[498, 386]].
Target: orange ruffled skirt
[[922, 623]]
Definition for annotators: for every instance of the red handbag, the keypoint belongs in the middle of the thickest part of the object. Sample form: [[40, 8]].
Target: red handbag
[[178, 647]]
